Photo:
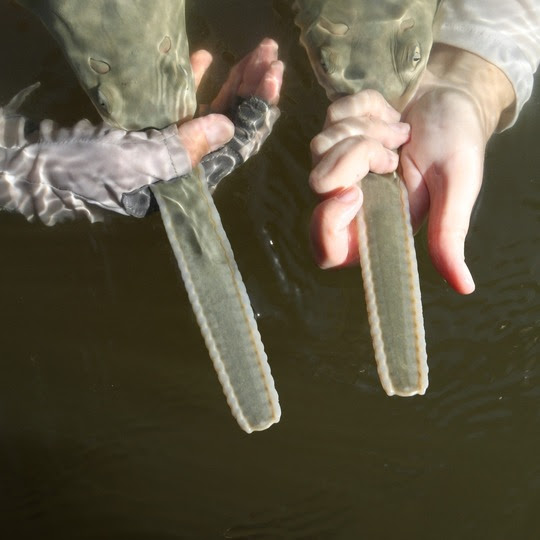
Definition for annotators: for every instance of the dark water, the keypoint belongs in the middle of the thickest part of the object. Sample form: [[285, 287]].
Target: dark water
[[113, 424]]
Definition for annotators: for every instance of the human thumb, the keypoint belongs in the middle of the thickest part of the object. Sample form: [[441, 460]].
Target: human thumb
[[453, 189], [205, 134]]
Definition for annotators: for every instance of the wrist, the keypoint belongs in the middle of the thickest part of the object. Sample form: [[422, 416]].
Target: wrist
[[488, 87]]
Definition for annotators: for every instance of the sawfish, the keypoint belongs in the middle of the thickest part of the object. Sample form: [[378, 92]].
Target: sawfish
[[132, 59], [382, 45]]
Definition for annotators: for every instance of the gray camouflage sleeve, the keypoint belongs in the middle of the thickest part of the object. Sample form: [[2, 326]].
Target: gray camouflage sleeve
[[507, 34], [52, 174]]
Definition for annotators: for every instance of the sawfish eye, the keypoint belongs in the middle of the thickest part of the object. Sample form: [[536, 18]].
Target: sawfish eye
[[102, 101], [326, 61], [417, 56]]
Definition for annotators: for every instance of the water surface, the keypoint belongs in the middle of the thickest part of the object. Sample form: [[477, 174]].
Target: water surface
[[112, 421]]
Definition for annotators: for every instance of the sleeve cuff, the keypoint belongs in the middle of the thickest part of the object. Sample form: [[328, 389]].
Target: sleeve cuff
[[497, 48]]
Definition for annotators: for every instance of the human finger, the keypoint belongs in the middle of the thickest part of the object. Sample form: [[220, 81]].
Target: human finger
[[365, 103], [205, 134], [391, 136], [200, 62], [269, 87], [419, 198], [334, 239], [453, 192], [228, 92], [347, 162], [246, 75], [257, 66]]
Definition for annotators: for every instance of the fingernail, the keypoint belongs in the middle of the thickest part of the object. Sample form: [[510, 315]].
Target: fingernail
[[345, 219], [269, 42], [468, 279], [348, 196], [218, 130], [278, 65]]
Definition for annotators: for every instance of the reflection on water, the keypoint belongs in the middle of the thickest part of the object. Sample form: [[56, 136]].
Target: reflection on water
[[112, 421]]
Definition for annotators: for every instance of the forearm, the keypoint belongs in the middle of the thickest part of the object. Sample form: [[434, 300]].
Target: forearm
[[506, 34], [489, 88]]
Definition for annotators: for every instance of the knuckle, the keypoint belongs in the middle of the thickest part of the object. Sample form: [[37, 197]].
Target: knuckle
[[372, 97], [332, 114], [361, 144], [316, 145], [315, 181]]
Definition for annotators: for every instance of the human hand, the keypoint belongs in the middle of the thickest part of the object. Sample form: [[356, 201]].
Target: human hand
[[361, 134], [452, 115], [259, 74]]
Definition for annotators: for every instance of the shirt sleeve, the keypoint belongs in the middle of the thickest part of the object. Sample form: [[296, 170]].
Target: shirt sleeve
[[506, 33], [51, 174]]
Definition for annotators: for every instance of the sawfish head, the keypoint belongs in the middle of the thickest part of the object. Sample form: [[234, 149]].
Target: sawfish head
[[131, 57], [357, 44]]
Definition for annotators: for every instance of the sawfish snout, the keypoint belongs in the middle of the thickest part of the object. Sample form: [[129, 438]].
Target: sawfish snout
[[121, 87]]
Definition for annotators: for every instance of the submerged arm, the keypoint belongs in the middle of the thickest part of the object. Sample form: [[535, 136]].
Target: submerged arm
[[52, 174]]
